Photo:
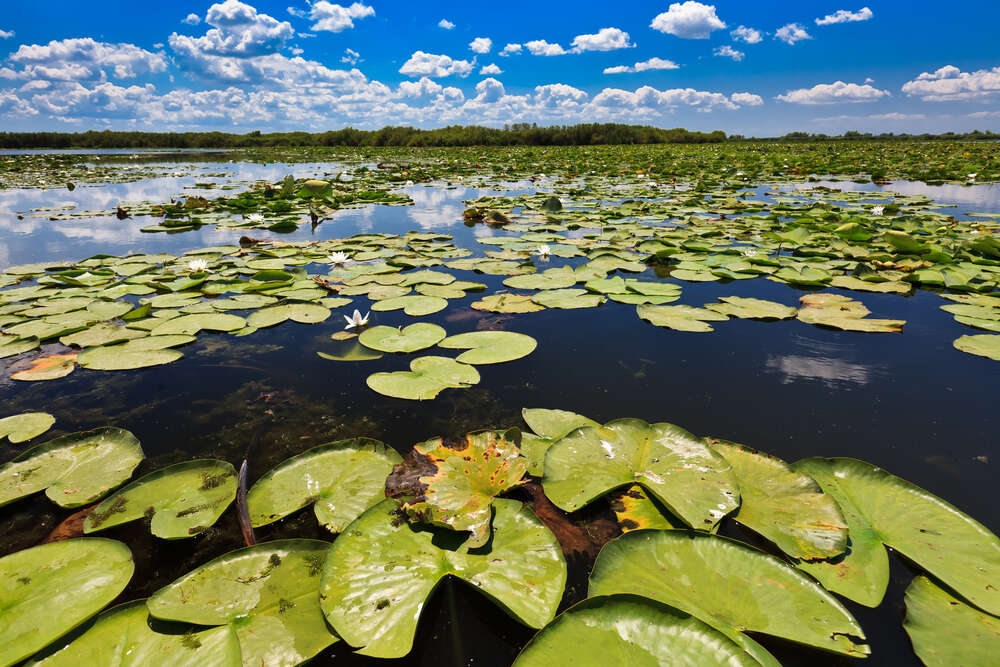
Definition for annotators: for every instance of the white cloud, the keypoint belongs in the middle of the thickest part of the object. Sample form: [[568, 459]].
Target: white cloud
[[83, 59], [6, 34], [748, 35], [892, 116], [489, 91], [490, 69], [831, 93], [645, 65], [237, 31], [791, 33], [606, 39], [649, 100], [481, 45], [351, 57], [300, 13], [192, 19], [511, 49], [729, 52], [984, 114], [337, 18], [845, 16], [747, 99], [688, 20], [539, 47], [446, 24], [950, 83], [434, 66]]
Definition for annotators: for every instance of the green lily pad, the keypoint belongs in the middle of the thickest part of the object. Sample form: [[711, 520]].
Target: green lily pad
[[354, 351], [548, 426], [415, 337], [729, 585], [945, 631], [426, 277], [244, 302], [268, 594], [637, 631], [50, 589], [304, 313], [983, 345], [74, 470], [122, 636], [752, 309], [381, 571], [804, 277], [340, 479], [785, 506], [507, 303], [192, 324], [427, 377], [13, 345], [122, 357], [25, 426], [887, 287], [546, 280], [680, 318], [454, 485], [841, 312], [181, 500], [635, 509], [101, 334], [884, 509], [413, 305], [694, 482], [490, 347], [568, 298]]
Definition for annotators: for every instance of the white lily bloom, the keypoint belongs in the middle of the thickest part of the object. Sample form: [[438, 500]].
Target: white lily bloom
[[543, 250], [198, 265], [355, 320], [255, 217], [338, 257], [878, 210]]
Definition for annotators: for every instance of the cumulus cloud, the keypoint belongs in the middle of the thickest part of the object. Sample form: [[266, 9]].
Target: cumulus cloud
[[791, 33], [649, 100], [845, 16], [489, 91], [892, 116], [539, 47], [729, 52], [983, 114], [191, 19], [435, 66], [688, 20], [831, 93], [446, 24], [337, 18], [605, 39], [481, 45], [950, 83], [511, 49], [83, 59], [490, 69], [748, 35], [351, 57], [238, 30], [645, 65], [747, 99]]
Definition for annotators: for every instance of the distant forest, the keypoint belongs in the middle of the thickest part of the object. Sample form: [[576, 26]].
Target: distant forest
[[518, 134]]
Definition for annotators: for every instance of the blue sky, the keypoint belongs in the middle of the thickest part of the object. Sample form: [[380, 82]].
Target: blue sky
[[761, 68]]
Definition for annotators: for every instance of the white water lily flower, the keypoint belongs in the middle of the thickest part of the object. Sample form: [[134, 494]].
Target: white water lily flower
[[355, 320], [338, 257], [198, 265], [543, 250], [255, 217], [878, 210]]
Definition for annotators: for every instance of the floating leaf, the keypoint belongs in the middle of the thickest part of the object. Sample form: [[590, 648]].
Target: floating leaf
[[546, 280], [635, 510], [415, 337], [945, 631], [180, 500], [568, 298], [453, 485], [192, 324], [692, 481], [427, 377], [74, 470], [304, 313], [101, 334], [123, 357], [680, 318], [340, 479], [983, 345], [25, 426], [415, 306], [507, 303], [48, 368], [268, 594], [11, 345], [752, 309], [381, 571], [637, 631], [841, 312], [490, 347], [355, 351], [729, 585], [50, 589], [548, 426]]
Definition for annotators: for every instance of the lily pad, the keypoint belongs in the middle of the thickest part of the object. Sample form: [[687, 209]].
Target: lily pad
[[983, 345], [729, 585], [267, 594], [12, 345], [752, 309], [635, 510], [381, 571], [507, 303], [74, 470], [415, 337], [427, 377], [181, 500], [638, 632], [945, 631], [192, 324], [454, 485], [568, 298], [123, 357], [680, 318], [413, 305], [841, 312], [101, 334], [548, 426], [48, 368], [340, 479], [304, 313], [546, 280], [50, 589], [694, 482], [25, 426], [490, 347], [354, 351]]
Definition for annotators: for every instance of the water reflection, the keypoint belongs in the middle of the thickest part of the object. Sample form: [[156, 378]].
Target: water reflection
[[821, 363], [985, 197]]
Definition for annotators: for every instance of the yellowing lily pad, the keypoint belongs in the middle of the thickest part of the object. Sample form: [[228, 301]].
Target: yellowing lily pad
[[24, 427]]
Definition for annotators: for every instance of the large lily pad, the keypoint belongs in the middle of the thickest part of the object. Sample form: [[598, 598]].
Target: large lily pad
[[413, 305], [546, 280], [680, 318], [12, 345], [25, 426], [381, 571], [548, 426], [568, 298], [785, 506], [729, 585], [415, 337], [340, 479], [192, 324], [75, 469], [840, 312], [304, 313], [884, 509], [945, 631], [47, 368], [50, 589], [427, 377], [126, 357], [490, 347], [268, 594], [983, 345], [453, 485], [122, 636], [180, 500], [637, 631], [680, 470], [752, 309], [507, 303]]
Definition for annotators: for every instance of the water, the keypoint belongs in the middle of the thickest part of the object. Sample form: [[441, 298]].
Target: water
[[910, 403]]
